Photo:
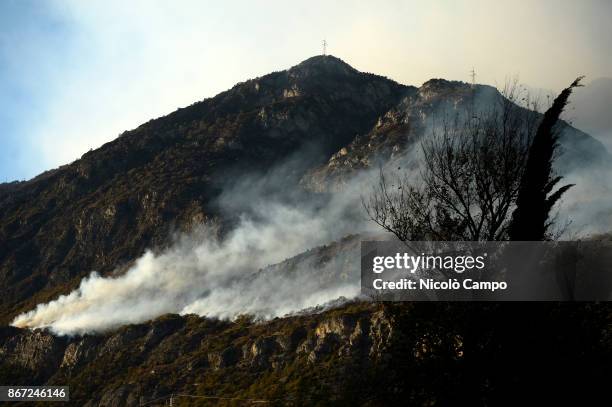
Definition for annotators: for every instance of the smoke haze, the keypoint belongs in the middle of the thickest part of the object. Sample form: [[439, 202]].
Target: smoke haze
[[209, 275], [217, 277]]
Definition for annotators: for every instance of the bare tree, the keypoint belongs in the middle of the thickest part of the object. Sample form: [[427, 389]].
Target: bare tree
[[472, 168]]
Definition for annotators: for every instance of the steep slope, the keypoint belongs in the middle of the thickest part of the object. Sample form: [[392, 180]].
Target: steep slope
[[360, 354], [103, 210], [355, 353], [403, 126]]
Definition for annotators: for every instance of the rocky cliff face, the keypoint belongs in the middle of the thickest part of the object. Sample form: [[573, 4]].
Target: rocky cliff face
[[357, 354], [183, 354]]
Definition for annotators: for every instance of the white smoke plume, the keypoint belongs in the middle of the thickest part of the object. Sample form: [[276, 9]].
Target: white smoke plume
[[216, 277]]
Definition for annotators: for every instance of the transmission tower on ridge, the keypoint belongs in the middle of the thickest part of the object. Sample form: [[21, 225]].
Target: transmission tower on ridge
[[473, 96], [324, 47], [473, 75]]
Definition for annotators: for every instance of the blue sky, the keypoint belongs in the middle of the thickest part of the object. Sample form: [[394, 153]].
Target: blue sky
[[75, 74], [33, 44]]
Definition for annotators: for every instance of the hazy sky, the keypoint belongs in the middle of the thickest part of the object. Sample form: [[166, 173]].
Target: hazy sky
[[74, 74]]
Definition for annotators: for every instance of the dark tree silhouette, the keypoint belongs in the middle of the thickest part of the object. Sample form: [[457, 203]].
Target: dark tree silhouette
[[530, 220], [470, 178]]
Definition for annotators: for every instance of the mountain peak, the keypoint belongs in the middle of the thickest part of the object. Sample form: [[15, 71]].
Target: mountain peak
[[322, 60], [324, 63], [438, 84]]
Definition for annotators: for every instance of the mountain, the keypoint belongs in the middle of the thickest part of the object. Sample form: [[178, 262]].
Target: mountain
[[400, 128], [322, 119], [105, 209], [320, 122]]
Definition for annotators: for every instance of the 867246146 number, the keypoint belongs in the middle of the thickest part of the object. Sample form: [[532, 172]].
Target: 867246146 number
[[34, 393]]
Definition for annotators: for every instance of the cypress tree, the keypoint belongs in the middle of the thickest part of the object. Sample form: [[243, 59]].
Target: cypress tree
[[535, 200]]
